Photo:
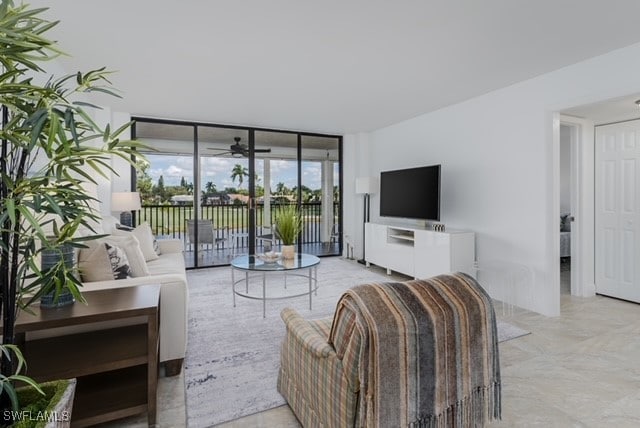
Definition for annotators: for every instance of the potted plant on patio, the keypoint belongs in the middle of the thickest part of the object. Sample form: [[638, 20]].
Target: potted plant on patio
[[49, 149], [288, 227]]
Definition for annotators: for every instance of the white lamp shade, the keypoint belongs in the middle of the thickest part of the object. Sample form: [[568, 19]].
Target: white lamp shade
[[366, 185], [125, 201]]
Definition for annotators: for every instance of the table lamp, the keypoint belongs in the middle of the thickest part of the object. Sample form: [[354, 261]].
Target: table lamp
[[125, 202]]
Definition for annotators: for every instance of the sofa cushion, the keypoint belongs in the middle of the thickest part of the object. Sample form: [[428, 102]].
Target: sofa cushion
[[131, 247], [145, 236], [129, 243], [167, 263], [94, 264]]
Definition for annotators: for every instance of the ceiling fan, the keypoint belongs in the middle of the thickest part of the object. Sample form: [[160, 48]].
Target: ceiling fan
[[239, 150]]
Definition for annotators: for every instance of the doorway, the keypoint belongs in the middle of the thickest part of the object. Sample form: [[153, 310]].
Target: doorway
[[586, 238], [574, 211], [567, 217]]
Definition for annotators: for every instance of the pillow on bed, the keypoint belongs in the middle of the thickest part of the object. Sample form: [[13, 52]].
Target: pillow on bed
[[565, 223]]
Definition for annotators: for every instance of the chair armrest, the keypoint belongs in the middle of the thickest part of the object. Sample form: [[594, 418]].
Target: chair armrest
[[170, 245], [301, 331]]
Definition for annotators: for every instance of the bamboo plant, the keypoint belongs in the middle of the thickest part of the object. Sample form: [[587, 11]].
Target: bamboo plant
[[50, 147]]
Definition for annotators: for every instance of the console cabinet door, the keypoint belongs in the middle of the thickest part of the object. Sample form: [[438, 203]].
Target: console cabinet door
[[432, 253], [376, 240]]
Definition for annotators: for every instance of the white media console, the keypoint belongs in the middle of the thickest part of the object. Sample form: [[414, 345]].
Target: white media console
[[419, 252]]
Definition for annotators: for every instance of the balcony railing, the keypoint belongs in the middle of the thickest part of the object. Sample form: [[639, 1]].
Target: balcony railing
[[171, 220]]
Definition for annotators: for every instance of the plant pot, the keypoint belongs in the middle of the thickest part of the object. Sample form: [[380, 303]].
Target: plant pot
[[50, 258], [288, 252], [55, 409], [289, 263]]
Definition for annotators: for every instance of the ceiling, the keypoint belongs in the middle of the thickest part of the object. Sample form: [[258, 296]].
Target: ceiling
[[327, 66], [226, 136], [614, 110]]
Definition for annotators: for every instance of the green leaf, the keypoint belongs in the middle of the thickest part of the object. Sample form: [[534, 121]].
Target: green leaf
[[107, 132], [28, 381], [35, 224], [11, 209], [11, 392]]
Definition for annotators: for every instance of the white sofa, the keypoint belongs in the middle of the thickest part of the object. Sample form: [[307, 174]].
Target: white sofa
[[168, 271]]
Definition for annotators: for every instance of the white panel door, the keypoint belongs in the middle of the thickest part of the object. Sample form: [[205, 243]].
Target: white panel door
[[617, 214]]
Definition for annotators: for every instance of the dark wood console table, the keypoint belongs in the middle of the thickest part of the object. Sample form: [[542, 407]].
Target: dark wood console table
[[116, 368]]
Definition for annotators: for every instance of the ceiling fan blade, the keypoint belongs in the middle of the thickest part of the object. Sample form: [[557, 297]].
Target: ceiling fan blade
[[262, 150], [227, 152]]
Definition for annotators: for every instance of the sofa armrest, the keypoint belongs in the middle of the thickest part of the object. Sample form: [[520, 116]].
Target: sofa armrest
[[300, 330], [170, 245]]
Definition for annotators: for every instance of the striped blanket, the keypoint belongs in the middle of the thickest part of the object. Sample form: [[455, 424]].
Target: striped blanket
[[428, 355]]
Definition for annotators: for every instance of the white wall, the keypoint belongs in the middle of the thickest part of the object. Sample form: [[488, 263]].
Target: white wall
[[356, 164], [498, 162], [120, 180]]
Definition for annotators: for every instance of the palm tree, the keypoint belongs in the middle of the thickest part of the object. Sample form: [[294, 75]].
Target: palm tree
[[210, 187], [281, 188], [239, 172]]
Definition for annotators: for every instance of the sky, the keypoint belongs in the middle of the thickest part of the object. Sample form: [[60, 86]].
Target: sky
[[218, 171]]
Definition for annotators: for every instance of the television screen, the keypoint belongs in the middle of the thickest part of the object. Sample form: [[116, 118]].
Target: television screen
[[411, 193]]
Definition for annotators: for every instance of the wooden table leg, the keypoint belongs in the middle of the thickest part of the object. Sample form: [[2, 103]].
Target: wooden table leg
[[152, 367]]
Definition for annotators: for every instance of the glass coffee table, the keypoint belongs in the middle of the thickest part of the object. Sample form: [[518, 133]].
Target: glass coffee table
[[302, 265]]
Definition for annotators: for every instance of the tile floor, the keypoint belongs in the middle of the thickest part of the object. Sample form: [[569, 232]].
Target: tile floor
[[577, 370]]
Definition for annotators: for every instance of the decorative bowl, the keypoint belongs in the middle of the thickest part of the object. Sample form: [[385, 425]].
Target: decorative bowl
[[269, 257]]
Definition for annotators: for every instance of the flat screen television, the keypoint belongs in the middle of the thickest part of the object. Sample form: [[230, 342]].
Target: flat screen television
[[411, 193]]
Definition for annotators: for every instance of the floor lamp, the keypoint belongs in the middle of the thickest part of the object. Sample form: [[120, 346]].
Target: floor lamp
[[365, 186], [125, 202]]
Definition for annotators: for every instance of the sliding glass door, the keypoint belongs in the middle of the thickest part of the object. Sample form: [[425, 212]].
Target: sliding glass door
[[219, 188], [319, 194], [167, 185]]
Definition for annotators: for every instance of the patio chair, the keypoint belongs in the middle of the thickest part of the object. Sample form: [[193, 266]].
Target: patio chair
[[335, 234], [206, 234], [238, 238], [267, 238]]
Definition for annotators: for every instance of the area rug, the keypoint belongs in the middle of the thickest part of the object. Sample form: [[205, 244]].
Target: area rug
[[232, 358], [508, 331]]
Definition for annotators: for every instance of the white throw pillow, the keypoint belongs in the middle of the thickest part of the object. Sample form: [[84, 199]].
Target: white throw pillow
[[93, 262], [129, 243], [145, 237]]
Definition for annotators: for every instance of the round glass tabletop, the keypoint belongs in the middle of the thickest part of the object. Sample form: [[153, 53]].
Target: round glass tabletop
[[254, 263]]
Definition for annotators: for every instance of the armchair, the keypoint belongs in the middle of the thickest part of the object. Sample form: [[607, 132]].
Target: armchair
[[418, 353]]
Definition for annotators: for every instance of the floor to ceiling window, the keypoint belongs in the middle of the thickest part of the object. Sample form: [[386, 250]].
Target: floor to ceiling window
[[218, 188]]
